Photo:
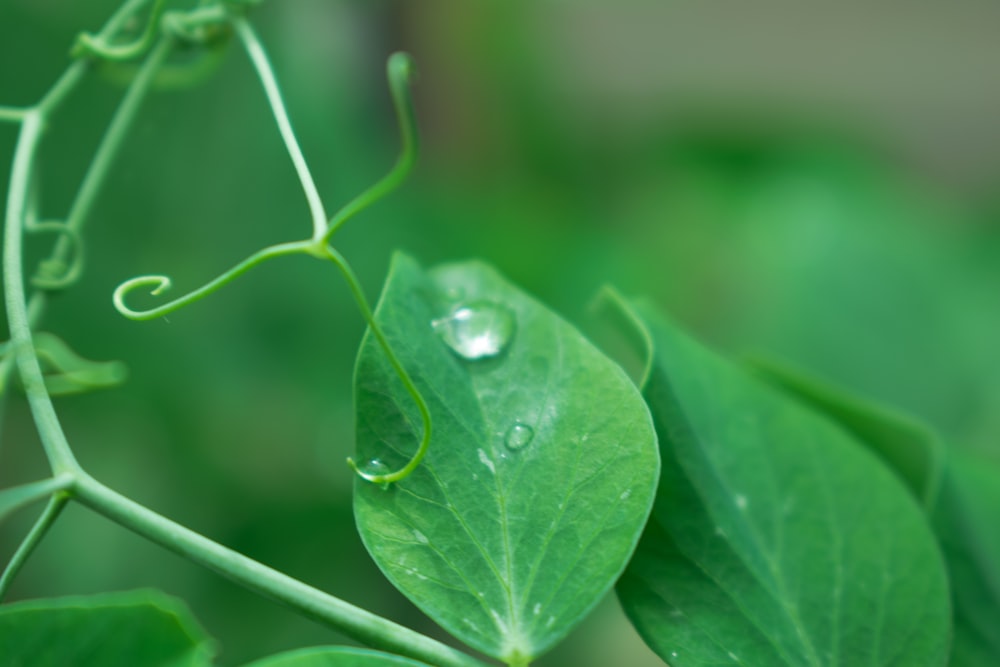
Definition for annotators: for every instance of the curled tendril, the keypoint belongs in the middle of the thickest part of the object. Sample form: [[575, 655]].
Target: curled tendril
[[55, 273], [401, 73], [93, 45], [338, 260], [163, 283]]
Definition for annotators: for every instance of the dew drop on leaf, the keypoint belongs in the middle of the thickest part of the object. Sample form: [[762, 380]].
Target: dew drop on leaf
[[518, 436], [477, 330]]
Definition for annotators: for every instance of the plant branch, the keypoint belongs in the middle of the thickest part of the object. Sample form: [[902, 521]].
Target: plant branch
[[311, 602], [50, 431]]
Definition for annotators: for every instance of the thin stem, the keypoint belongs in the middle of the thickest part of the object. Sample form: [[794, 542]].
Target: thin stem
[[404, 377], [264, 70], [400, 71], [12, 114], [87, 44], [311, 602], [31, 541], [71, 77], [53, 439], [16, 497], [115, 134], [163, 283]]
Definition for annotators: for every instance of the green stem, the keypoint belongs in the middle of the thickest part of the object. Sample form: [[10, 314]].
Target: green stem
[[266, 73], [112, 140], [34, 537], [12, 114], [87, 44], [352, 621], [53, 439], [71, 77]]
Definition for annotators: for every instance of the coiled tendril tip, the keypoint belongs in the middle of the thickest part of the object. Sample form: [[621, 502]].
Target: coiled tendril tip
[[162, 284]]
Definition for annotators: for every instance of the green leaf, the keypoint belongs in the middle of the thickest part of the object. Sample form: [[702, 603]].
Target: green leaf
[[966, 521], [336, 656], [66, 372], [540, 474], [136, 628], [908, 447], [776, 538], [961, 494]]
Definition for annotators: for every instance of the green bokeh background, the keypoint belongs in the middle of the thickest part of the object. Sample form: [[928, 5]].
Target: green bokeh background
[[819, 187]]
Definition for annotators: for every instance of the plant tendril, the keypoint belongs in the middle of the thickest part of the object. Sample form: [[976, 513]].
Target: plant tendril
[[401, 73], [91, 45], [163, 283], [404, 377], [55, 273], [12, 114]]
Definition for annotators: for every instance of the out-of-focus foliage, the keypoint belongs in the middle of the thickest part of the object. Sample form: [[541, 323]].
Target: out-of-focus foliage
[[771, 193]]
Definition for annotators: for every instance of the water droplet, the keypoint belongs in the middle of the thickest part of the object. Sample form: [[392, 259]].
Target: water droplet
[[420, 537], [518, 436], [626, 494], [375, 467], [537, 609], [477, 330], [741, 501]]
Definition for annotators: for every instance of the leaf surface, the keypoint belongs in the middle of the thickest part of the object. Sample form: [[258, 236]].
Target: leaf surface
[[136, 628], [335, 656], [540, 474], [961, 493], [776, 539]]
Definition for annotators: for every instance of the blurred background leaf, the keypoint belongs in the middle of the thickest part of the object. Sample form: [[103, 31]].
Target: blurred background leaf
[[814, 184]]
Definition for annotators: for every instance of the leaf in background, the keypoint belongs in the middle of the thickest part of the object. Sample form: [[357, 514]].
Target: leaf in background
[[335, 656], [541, 471], [961, 494], [776, 539], [66, 372], [967, 520], [136, 628], [906, 446]]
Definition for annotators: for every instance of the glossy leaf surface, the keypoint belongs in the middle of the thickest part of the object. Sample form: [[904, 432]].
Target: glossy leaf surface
[[777, 539], [961, 492], [335, 656], [541, 471], [137, 628]]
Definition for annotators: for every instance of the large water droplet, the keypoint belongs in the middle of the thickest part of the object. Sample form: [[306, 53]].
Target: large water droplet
[[477, 330], [518, 436]]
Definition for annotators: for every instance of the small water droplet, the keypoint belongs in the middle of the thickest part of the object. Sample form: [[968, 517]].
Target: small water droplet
[[375, 467], [518, 436], [741, 501], [626, 494], [420, 537], [477, 330], [537, 609]]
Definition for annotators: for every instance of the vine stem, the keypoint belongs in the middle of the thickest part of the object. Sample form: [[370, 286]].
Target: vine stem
[[266, 73], [352, 621], [50, 431]]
